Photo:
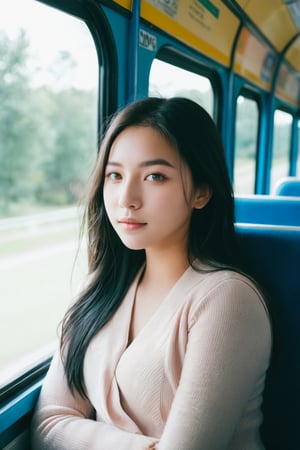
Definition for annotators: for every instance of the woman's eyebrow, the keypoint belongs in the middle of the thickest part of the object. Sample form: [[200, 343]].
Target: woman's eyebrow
[[150, 162], [156, 162], [113, 163]]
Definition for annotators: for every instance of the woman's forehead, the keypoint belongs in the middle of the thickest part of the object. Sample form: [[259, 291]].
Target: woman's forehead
[[140, 142]]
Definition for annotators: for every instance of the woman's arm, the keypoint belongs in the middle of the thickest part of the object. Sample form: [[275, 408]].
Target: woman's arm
[[227, 354], [64, 422]]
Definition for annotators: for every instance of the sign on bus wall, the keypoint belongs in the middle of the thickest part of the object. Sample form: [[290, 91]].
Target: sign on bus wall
[[206, 25], [288, 86], [254, 60]]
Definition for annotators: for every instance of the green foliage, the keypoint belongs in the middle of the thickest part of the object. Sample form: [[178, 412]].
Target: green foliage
[[66, 161], [282, 140], [17, 124], [246, 129], [47, 132]]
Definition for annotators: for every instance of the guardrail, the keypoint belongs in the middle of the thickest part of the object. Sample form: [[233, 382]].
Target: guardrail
[[13, 223]]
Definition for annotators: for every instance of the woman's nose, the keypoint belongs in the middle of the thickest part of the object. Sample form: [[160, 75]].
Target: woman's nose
[[130, 196]]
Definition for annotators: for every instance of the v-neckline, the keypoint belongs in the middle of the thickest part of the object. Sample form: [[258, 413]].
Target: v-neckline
[[161, 306]]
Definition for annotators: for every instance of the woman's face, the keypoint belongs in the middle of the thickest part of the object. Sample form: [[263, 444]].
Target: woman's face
[[148, 192]]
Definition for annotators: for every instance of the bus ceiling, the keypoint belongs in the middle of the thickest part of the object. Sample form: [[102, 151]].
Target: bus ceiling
[[278, 21]]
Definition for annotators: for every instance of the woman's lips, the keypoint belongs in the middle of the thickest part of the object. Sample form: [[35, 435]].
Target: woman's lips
[[131, 224]]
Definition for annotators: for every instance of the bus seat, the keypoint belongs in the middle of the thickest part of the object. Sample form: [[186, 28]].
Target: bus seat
[[273, 255], [288, 186], [265, 209]]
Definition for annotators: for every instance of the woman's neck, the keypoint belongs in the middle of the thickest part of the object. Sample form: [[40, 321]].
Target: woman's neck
[[164, 269]]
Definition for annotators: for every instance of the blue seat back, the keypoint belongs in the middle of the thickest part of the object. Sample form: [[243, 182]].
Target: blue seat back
[[265, 209], [289, 186], [273, 254]]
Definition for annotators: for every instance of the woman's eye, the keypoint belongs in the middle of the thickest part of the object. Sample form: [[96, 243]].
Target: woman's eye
[[113, 176], [156, 177]]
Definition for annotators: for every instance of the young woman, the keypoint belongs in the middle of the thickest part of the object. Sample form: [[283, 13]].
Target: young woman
[[168, 345]]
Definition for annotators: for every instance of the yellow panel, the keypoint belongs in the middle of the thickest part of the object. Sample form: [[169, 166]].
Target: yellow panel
[[206, 25], [242, 3], [254, 60], [125, 3], [288, 86], [272, 17], [293, 55]]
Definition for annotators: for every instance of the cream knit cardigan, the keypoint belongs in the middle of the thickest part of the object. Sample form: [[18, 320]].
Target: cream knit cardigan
[[191, 380]]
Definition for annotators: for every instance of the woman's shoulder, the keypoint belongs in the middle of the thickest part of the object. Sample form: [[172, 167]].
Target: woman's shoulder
[[216, 277], [225, 288]]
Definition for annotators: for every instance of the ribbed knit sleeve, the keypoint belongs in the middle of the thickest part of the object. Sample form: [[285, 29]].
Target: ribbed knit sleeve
[[227, 354], [64, 422]]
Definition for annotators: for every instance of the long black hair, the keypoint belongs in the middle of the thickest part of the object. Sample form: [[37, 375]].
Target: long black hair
[[112, 266]]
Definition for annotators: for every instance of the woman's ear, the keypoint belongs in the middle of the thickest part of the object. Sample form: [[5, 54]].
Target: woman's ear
[[202, 196]]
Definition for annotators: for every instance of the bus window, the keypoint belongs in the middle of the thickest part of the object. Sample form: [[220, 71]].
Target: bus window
[[48, 136], [245, 145], [167, 80], [281, 146]]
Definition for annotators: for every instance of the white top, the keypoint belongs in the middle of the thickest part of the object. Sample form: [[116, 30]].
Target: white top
[[192, 379]]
